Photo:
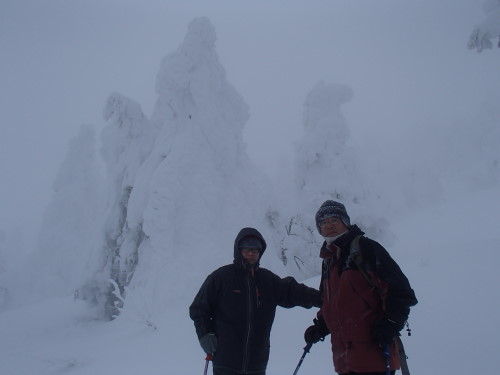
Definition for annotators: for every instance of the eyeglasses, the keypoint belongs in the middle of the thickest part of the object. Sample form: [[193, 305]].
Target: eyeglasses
[[329, 220], [250, 250]]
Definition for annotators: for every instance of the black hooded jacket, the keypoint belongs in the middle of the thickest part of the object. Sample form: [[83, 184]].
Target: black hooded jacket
[[238, 302]]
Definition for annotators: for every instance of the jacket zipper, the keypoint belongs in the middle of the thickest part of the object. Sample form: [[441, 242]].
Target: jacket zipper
[[245, 358]]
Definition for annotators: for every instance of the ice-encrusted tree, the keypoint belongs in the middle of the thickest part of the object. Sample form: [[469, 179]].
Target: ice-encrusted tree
[[198, 187], [326, 168], [127, 141], [488, 31], [69, 228], [182, 184]]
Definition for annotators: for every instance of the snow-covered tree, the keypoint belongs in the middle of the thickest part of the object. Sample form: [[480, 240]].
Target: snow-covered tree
[[69, 228], [326, 168], [181, 185], [127, 140], [198, 187], [488, 31]]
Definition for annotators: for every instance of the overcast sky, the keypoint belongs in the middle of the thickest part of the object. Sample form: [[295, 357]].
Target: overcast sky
[[406, 61]]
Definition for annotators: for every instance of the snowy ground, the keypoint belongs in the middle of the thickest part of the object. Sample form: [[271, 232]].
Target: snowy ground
[[449, 252]]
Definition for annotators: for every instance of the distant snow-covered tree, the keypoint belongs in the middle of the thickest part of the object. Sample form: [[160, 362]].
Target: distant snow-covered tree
[[325, 162], [326, 168], [69, 231], [488, 31], [127, 140]]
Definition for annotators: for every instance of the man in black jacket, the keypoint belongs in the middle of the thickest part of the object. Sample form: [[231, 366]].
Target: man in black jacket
[[234, 309]]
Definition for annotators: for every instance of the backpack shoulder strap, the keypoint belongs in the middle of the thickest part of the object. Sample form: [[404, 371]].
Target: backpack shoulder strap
[[357, 257]]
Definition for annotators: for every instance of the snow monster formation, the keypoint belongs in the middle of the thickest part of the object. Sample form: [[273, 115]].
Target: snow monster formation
[[180, 184], [323, 161], [326, 167], [323, 155]]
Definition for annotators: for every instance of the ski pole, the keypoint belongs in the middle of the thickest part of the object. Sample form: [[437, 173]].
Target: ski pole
[[387, 357], [306, 350], [402, 357], [207, 359]]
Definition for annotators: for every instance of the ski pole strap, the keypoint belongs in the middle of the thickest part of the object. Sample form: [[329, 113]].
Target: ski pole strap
[[307, 348], [387, 356], [402, 357], [207, 360]]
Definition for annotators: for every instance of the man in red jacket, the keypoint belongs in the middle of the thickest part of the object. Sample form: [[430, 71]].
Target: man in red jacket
[[366, 297]]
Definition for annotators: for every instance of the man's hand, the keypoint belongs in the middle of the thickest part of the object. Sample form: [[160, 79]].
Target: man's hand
[[316, 332], [209, 343]]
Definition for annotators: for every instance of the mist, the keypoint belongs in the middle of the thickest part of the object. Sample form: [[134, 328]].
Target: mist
[[423, 119]]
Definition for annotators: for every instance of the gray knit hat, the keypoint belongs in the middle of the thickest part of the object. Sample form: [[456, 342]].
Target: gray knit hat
[[332, 209]]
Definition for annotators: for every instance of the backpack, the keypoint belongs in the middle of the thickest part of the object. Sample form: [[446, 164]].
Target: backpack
[[356, 256]]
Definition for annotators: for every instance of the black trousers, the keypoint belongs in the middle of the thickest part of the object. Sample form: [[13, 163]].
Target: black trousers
[[227, 371]]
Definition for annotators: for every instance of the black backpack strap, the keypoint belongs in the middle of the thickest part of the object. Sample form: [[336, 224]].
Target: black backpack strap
[[357, 257]]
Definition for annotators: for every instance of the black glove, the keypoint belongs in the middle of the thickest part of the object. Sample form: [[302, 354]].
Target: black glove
[[384, 331], [316, 332], [209, 343]]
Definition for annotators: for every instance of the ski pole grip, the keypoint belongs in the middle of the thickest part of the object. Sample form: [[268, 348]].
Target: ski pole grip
[[209, 357]]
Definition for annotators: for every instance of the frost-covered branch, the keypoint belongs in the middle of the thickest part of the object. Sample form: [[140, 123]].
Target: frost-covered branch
[[487, 32]]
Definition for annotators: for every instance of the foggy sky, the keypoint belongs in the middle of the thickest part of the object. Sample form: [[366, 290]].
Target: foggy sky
[[407, 63]]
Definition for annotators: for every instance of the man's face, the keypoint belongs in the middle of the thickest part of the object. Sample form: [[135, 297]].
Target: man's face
[[331, 227], [250, 255]]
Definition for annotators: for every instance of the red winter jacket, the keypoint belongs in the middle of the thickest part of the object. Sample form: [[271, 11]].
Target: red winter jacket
[[351, 306]]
